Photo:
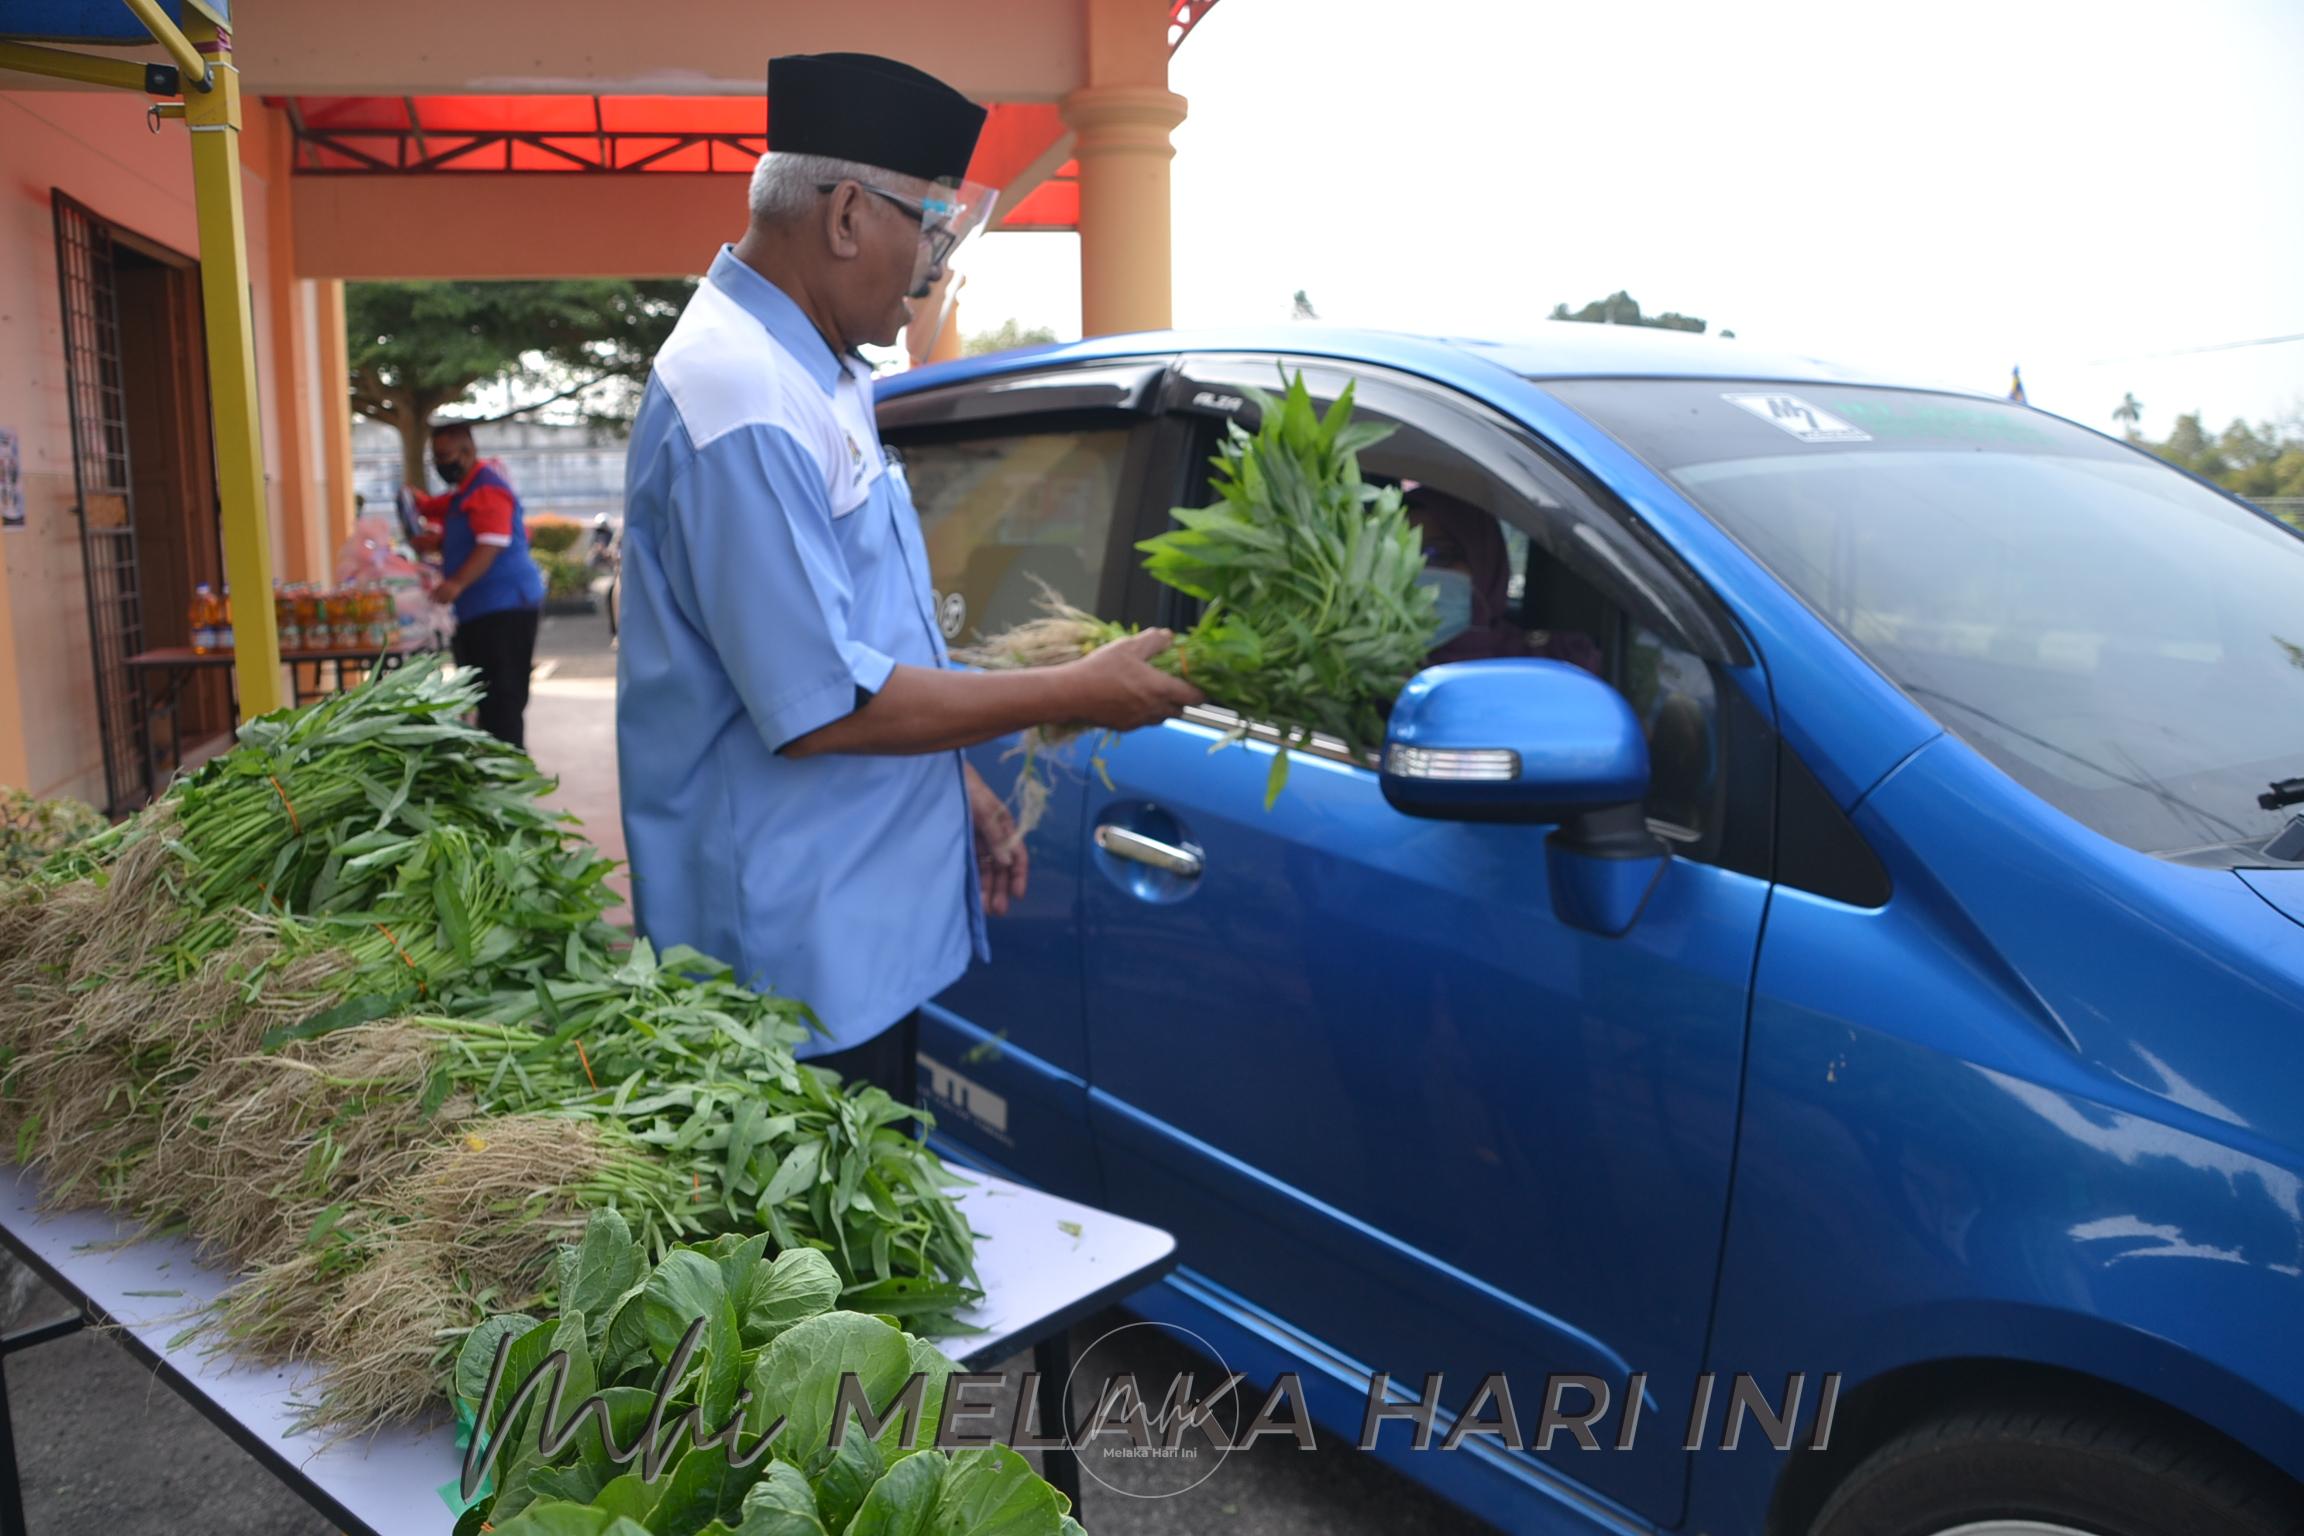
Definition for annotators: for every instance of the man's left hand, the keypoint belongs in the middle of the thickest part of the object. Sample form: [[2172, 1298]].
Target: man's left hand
[[446, 592], [1002, 865]]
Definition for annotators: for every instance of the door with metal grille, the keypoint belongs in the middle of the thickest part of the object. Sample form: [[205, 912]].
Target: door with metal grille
[[91, 311]]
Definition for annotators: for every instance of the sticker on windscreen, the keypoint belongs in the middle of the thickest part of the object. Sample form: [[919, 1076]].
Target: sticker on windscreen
[[1809, 423]]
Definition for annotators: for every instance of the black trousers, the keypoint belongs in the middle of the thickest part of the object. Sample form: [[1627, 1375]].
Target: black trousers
[[502, 647], [890, 1059]]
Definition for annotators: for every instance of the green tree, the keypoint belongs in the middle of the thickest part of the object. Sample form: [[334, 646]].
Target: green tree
[[1620, 308], [2288, 473], [2190, 447], [2128, 413], [2261, 462], [1004, 336], [1301, 308], [418, 348]]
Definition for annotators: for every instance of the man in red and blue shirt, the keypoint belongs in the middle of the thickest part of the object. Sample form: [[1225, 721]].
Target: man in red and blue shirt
[[494, 583]]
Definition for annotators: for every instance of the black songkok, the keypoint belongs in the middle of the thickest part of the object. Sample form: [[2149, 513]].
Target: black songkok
[[875, 111]]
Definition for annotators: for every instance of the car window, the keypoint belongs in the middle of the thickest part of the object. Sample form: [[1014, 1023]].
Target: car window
[[1677, 697], [2118, 638], [1549, 611], [1003, 516], [1549, 601]]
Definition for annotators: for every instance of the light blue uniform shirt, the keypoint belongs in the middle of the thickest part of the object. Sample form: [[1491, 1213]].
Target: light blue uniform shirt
[[773, 567]]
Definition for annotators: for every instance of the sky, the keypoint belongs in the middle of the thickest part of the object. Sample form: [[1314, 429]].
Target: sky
[[1939, 192]]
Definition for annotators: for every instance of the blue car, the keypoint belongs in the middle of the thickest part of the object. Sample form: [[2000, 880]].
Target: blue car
[[1833, 942]]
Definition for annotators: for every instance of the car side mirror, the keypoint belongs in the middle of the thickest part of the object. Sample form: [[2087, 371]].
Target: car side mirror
[[1512, 740], [1534, 741]]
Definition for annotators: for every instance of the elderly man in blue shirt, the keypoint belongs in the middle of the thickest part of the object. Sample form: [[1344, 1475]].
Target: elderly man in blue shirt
[[788, 722]]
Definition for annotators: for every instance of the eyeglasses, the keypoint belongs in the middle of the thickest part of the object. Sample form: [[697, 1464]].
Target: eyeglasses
[[937, 237]]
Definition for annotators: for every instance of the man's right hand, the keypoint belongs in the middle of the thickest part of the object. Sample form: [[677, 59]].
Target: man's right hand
[[1118, 688], [935, 709]]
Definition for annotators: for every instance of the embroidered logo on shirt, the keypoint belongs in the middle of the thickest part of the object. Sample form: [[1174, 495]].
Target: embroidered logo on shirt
[[855, 457]]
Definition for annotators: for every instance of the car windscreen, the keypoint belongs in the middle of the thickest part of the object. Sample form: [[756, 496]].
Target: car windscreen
[[2122, 640]]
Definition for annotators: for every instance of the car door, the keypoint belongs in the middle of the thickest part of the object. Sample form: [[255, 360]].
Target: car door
[[1023, 481], [1377, 1087]]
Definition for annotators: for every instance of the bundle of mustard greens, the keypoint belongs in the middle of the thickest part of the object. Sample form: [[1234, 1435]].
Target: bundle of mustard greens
[[1312, 616], [344, 1009]]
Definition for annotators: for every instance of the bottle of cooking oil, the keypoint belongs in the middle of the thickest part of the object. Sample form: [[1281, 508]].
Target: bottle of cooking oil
[[203, 619], [224, 619], [284, 618], [311, 618]]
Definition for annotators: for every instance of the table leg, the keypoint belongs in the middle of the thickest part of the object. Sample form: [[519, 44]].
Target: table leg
[[146, 700], [11, 1492], [162, 696], [11, 1496], [1052, 1358], [151, 751], [175, 724]]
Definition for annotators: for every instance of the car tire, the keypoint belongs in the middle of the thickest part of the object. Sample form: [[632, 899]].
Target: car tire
[[2058, 1469]]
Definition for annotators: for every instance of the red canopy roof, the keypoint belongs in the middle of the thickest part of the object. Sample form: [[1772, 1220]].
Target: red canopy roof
[[619, 135], [626, 135]]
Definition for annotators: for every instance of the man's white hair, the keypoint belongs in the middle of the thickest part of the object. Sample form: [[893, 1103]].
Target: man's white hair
[[784, 185]]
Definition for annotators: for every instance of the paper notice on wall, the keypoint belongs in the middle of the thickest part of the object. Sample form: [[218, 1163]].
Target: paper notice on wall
[[11, 481]]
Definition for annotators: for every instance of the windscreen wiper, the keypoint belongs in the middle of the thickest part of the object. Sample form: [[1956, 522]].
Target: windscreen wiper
[[2283, 792]]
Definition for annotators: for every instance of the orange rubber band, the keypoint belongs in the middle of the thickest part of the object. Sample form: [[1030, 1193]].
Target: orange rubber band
[[580, 1056], [296, 826], [421, 989]]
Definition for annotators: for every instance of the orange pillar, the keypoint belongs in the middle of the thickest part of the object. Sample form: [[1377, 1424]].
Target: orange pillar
[[948, 342], [1122, 118], [335, 386], [301, 519], [945, 344]]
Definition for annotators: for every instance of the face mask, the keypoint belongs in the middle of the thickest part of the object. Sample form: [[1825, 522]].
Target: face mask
[[1452, 591], [451, 472]]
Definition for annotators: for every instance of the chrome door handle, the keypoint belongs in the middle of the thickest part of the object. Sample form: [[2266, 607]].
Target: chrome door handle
[[1176, 859]]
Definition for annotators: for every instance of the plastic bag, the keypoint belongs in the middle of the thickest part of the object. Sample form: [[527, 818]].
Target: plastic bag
[[375, 554]]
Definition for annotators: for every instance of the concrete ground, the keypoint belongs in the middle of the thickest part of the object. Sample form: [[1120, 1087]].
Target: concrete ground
[[103, 1446]]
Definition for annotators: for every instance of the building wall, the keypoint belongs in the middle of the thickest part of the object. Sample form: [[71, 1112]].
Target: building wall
[[96, 148]]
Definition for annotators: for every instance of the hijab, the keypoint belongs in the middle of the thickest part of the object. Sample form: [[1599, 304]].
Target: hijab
[[1460, 535]]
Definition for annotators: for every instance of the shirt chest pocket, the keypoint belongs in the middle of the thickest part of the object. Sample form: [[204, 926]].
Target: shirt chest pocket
[[852, 482], [865, 531]]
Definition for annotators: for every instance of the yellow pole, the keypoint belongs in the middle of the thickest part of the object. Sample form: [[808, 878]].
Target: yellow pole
[[63, 64], [180, 47], [214, 118]]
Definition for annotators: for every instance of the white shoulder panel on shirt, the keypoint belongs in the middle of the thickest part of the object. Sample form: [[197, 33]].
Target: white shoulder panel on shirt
[[724, 371]]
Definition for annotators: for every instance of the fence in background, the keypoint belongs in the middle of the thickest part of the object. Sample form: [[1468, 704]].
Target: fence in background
[[558, 471]]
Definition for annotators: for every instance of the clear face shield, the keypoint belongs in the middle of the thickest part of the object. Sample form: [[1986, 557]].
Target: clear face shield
[[951, 216]]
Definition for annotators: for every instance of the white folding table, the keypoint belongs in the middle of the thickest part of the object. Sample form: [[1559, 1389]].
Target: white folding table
[[1045, 1263]]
